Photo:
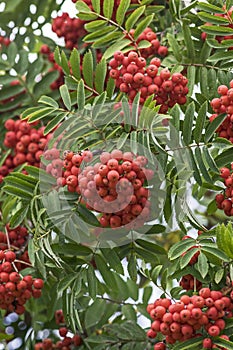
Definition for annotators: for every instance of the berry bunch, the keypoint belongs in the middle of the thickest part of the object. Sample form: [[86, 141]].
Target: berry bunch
[[72, 29], [224, 200], [67, 343], [224, 104], [15, 290], [190, 317], [45, 50], [17, 237], [18, 240], [132, 75], [114, 187], [66, 171], [27, 145], [155, 49]]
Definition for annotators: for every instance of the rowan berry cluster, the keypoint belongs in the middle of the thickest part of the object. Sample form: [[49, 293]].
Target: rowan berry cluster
[[155, 49], [15, 290], [66, 171], [17, 240], [26, 142], [224, 104], [72, 29], [114, 187], [132, 75], [190, 317], [67, 343], [224, 200], [17, 237], [45, 50]]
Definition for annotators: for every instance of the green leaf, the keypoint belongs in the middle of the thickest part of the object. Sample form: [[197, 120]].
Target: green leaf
[[176, 50], [75, 63], [105, 271], [122, 140], [129, 312], [95, 25], [223, 343], [87, 68], [65, 282], [83, 8], [211, 129], [54, 122], [188, 41], [201, 165], [134, 17], [222, 56], [202, 265], [92, 282], [132, 267], [185, 259], [193, 344], [205, 6], [121, 11], [194, 167], [200, 122], [206, 17], [180, 247], [224, 158], [94, 313], [210, 161], [65, 95], [142, 25], [64, 63], [117, 46], [107, 39], [18, 217], [217, 30], [17, 192], [219, 275], [188, 123], [98, 34], [12, 52], [81, 95], [216, 252], [100, 75], [152, 247], [108, 8], [113, 259], [96, 5], [48, 101], [191, 75]]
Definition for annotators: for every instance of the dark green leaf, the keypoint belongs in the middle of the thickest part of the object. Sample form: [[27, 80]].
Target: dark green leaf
[[188, 123], [92, 282], [200, 122]]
